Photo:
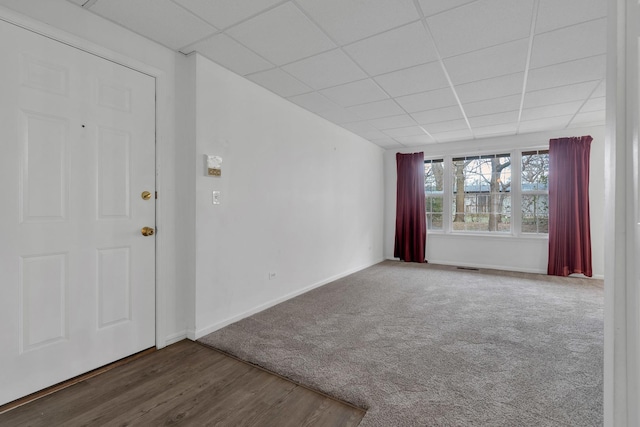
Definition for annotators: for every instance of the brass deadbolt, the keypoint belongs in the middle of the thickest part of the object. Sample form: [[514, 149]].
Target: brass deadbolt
[[147, 231]]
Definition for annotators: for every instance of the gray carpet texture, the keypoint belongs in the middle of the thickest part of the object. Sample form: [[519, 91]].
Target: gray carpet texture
[[428, 345]]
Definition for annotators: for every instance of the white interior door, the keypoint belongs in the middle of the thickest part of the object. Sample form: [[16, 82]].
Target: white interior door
[[77, 149]]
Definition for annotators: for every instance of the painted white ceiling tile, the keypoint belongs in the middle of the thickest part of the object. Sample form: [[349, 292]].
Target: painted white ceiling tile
[[594, 104], [496, 130], [359, 127], [553, 14], [448, 126], [415, 79], [581, 70], [282, 35], [557, 95], [279, 82], [230, 54], [415, 140], [393, 50], [326, 69], [456, 135], [78, 2], [492, 106], [160, 20], [566, 44], [340, 116], [386, 143], [496, 87], [550, 110], [405, 131], [374, 110], [438, 115], [313, 102], [392, 122], [350, 20], [480, 24], [601, 90], [548, 123], [592, 118], [431, 7], [355, 93], [224, 13], [374, 134], [428, 100], [494, 119], [507, 58]]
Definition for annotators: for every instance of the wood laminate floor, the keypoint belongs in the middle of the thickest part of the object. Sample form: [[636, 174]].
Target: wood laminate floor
[[184, 384]]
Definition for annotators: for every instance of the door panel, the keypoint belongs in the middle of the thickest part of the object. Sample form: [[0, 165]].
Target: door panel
[[78, 148]]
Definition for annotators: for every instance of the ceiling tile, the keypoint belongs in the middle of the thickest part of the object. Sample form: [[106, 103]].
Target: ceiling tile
[[507, 58], [456, 135], [591, 118], [492, 106], [550, 110], [160, 20], [494, 119], [553, 14], [282, 35], [496, 87], [393, 122], [431, 7], [415, 140], [374, 110], [496, 130], [78, 2], [350, 20], [359, 127], [280, 82], [594, 104], [406, 131], [374, 134], [480, 24], [566, 44], [428, 100], [224, 13], [581, 70], [355, 93], [393, 50], [313, 102], [447, 126], [326, 69], [549, 123], [438, 115], [340, 116], [386, 143], [230, 54], [415, 79], [558, 95], [601, 90]]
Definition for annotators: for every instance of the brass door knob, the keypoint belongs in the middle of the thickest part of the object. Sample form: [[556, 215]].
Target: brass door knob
[[145, 195], [147, 231]]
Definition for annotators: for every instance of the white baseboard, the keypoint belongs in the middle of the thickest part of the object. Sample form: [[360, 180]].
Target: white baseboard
[[199, 333], [174, 338]]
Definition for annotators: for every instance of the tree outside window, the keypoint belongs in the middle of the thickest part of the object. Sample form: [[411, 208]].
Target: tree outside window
[[535, 192], [433, 191]]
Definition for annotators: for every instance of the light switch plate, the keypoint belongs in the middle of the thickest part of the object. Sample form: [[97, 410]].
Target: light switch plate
[[216, 197]]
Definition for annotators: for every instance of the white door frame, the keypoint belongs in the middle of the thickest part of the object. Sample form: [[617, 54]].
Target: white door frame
[[161, 140]]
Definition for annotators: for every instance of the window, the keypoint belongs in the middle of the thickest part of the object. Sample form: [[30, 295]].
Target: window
[[535, 192], [433, 192], [481, 193]]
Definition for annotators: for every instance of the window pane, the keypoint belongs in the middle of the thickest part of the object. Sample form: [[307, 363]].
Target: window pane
[[433, 210], [483, 202], [433, 177], [535, 213], [535, 171]]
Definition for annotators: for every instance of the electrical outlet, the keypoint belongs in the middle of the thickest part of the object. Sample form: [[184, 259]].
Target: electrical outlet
[[272, 275]]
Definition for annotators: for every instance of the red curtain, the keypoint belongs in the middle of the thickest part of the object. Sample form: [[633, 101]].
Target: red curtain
[[411, 224], [569, 225]]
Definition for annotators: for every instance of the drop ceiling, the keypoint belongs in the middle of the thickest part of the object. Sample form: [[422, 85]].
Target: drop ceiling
[[400, 73]]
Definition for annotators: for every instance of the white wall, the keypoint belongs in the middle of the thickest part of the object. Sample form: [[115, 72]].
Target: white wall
[[301, 197], [528, 254], [94, 34]]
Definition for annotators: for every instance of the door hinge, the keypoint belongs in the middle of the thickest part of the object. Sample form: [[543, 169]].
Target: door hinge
[[156, 195]]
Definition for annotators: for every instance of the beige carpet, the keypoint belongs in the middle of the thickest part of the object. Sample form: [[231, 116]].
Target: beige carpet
[[423, 345]]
